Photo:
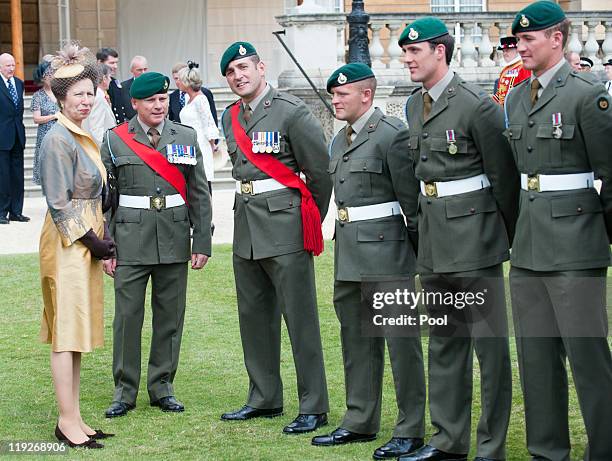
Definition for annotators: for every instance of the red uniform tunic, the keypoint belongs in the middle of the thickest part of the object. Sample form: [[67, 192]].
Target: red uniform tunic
[[511, 75]]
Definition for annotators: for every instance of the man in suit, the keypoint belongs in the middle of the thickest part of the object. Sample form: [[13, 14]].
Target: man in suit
[[110, 57], [467, 212], [558, 123], [12, 143], [162, 193], [608, 69], [138, 66], [373, 183], [178, 99], [274, 273]]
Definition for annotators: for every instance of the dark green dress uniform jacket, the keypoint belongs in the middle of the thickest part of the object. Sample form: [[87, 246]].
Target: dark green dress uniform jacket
[[270, 224], [374, 169], [551, 224], [471, 230], [149, 236]]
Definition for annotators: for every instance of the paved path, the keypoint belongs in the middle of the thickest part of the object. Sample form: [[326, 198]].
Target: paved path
[[19, 237]]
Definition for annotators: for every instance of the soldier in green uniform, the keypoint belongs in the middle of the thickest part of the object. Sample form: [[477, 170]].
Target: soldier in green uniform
[[373, 183], [559, 125], [163, 193], [273, 272], [466, 216]]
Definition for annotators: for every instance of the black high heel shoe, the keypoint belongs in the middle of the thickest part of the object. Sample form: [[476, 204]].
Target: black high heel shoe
[[89, 443], [98, 435]]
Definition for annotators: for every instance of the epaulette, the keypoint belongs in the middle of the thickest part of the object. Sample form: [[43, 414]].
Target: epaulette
[[180, 124], [288, 97], [522, 82], [394, 122], [586, 77], [475, 90]]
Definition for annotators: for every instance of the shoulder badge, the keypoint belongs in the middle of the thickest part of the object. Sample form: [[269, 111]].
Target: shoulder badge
[[524, 22], [603, 103]]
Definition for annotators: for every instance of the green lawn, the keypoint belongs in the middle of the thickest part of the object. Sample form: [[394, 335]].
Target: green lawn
[[211, 379]]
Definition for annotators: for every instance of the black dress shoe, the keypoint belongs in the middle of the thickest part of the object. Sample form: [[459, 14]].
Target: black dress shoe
[[18, 217], [429, 453], [118, 409], [89, 443], [169, 404], [341, 437], [306, 423], [4, 220], [99, 434], [247, 412], [397, 446]]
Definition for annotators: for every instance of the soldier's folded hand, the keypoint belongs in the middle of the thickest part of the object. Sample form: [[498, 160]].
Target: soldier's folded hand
[[100, 249], [198, 261]]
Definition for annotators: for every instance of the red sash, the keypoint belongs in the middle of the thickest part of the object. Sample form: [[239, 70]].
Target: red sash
[[311, 218], [154, 159]]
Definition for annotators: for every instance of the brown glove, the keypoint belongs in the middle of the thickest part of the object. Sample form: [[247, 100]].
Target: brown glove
[[100, 249]]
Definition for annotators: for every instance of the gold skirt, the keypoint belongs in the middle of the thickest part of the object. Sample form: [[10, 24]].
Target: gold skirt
[[72, 288]]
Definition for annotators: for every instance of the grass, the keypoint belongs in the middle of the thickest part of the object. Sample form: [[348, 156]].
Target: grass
[[211, 379]]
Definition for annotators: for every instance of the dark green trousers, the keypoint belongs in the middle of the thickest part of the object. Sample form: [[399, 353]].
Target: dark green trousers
[[556, 303], [451, 367], [168, 296], [364, 360], [266, 289]]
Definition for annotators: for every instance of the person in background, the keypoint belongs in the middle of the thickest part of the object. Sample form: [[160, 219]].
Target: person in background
[[138, 66], [586, 64], [44, 111], [74, 238], [573, 59], [178, 99], [608, 68], [513, 73], [197, 115], [101, 117], [110, 57]]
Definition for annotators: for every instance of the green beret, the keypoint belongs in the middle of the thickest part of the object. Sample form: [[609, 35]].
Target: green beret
[[349, 73], [235, 51], [537, 16], [422, 30], [148, 84]]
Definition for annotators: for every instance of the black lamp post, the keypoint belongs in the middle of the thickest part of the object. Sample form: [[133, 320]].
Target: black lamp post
[[358, 20]]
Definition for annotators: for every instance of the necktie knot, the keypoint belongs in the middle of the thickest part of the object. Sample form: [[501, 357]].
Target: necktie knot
[[349, 134], [154, 134], [427, 102], [247, 113], [535, 86]]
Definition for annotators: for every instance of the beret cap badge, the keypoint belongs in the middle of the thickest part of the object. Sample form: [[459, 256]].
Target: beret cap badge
[[242, 50], [341, 79], [413, 34], [524, 21]]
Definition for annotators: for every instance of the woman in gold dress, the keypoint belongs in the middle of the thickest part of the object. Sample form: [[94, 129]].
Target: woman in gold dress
[[74, 239]]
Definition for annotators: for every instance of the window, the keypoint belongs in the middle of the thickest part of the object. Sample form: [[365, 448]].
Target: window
[[331, 6], [457, 6]]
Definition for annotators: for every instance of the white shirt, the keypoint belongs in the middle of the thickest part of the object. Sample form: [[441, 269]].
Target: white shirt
[[100, 118]]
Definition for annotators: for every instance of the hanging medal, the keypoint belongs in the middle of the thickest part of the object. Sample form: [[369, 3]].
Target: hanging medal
[[276, 146], [269, 135], [255, 148], [556, 121], [450, 139]]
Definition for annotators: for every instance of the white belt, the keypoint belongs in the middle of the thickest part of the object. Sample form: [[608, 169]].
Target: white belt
[[156, 202], [556, 182], [361, 213], [458, 186], [261, 185]]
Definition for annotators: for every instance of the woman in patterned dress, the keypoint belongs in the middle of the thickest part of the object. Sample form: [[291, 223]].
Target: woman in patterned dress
[[44, 109], [73, 240]]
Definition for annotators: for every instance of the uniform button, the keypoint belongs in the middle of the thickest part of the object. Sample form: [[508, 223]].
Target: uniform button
[[472, 210], [531, 198], [364, 168], [291, 203], [345, 158], [246, 200], [341, 224], [341, 180], [244, 160], [531, 123], [158, 190], [529, 149], [425, 135], [340, 202], [381, 237], [429, 202], [424, 158], [579, 209]]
